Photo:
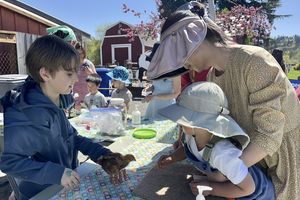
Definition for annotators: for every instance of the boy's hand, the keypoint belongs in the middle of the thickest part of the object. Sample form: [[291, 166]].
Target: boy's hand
[[70, 179], [165, 160]]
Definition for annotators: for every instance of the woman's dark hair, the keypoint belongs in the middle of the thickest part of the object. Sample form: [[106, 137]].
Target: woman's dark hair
[[214, 33], [154, 48], [278, 55]]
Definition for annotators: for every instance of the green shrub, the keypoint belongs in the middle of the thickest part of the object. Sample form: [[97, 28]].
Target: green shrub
[[293, 74]]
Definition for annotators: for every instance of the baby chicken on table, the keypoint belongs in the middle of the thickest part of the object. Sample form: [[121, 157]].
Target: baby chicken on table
[[114, 164]]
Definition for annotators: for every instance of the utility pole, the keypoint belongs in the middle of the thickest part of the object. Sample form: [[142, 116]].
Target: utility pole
[[211, 10]]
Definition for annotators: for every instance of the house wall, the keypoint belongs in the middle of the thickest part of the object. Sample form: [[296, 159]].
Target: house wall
[[12, 21]]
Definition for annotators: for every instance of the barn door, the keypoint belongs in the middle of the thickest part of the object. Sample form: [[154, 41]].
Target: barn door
[[121, 53]]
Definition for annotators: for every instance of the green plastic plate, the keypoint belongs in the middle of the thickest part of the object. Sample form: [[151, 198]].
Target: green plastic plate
[[144, 133]]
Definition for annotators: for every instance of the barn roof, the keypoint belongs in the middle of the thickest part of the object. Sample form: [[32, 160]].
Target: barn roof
[[146, 42]]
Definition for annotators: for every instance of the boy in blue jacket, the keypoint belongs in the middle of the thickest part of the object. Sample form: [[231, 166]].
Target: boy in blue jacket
[[40, 145]]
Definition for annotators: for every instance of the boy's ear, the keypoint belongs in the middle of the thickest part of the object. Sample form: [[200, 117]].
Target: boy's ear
[[45, 75]]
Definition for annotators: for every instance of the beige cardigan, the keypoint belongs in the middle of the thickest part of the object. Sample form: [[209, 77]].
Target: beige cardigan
[[264, 103]]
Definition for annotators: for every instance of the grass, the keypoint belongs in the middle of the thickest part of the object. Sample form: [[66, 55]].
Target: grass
[[293, 74]]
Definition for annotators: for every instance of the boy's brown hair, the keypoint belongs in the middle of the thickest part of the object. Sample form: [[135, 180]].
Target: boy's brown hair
[[52, 53]]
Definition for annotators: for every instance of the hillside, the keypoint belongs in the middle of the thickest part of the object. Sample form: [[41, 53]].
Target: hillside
[[291, 49], [290, 46]]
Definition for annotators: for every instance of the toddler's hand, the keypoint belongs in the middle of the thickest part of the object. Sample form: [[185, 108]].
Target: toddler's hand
[[70, 179], [216, 177], [194, 184], [177, 144]]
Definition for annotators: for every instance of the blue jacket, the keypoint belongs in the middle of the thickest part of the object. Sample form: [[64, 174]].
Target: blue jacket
[[39, 141]]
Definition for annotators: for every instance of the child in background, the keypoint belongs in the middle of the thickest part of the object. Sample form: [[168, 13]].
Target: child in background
[[214, 143], [119, 76], [163, 92], [40, 144], [94, 97]]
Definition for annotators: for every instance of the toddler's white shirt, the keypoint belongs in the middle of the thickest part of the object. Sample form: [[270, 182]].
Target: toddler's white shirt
[[225, 157]]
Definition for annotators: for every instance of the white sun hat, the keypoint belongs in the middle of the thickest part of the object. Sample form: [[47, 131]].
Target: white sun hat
[[204, 105]]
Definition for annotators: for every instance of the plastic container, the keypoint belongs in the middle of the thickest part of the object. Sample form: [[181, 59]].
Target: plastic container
[[119, 103], [10, 81], [144, 133], [202, 188], [106, 80], [106, 120]]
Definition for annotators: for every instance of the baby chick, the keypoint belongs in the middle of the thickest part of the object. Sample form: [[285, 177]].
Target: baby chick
[[113, 164]]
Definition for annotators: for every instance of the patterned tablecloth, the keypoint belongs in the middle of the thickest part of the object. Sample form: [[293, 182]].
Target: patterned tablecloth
[[167, 131], [96, 184]]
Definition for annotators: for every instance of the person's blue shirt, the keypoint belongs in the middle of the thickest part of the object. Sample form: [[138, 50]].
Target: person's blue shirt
[[39, 141]]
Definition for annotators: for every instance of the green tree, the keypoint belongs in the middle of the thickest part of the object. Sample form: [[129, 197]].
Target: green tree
[[93, 50], [166, 7], [93, 46]]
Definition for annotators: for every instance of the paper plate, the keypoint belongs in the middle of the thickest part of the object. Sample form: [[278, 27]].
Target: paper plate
[[144, 133]]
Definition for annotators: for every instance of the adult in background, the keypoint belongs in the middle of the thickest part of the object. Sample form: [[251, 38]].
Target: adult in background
[[143, 64], [86, 68], [63, 32], [278, 55], [163, 93], [261, 98]]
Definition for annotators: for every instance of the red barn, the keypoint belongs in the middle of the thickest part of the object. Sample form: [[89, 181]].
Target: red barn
[[20, 25], [117, 49]]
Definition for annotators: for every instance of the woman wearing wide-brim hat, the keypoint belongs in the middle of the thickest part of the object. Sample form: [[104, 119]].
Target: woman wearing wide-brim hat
[[261, 98]]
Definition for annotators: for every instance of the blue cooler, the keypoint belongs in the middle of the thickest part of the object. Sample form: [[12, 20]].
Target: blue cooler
[[295, 83], [105, 80]]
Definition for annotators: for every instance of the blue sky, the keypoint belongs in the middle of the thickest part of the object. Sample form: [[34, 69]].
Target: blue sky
[[87, 15]]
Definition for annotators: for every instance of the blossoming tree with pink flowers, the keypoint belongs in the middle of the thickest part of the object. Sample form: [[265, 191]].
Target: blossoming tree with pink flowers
[[245, 25]]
